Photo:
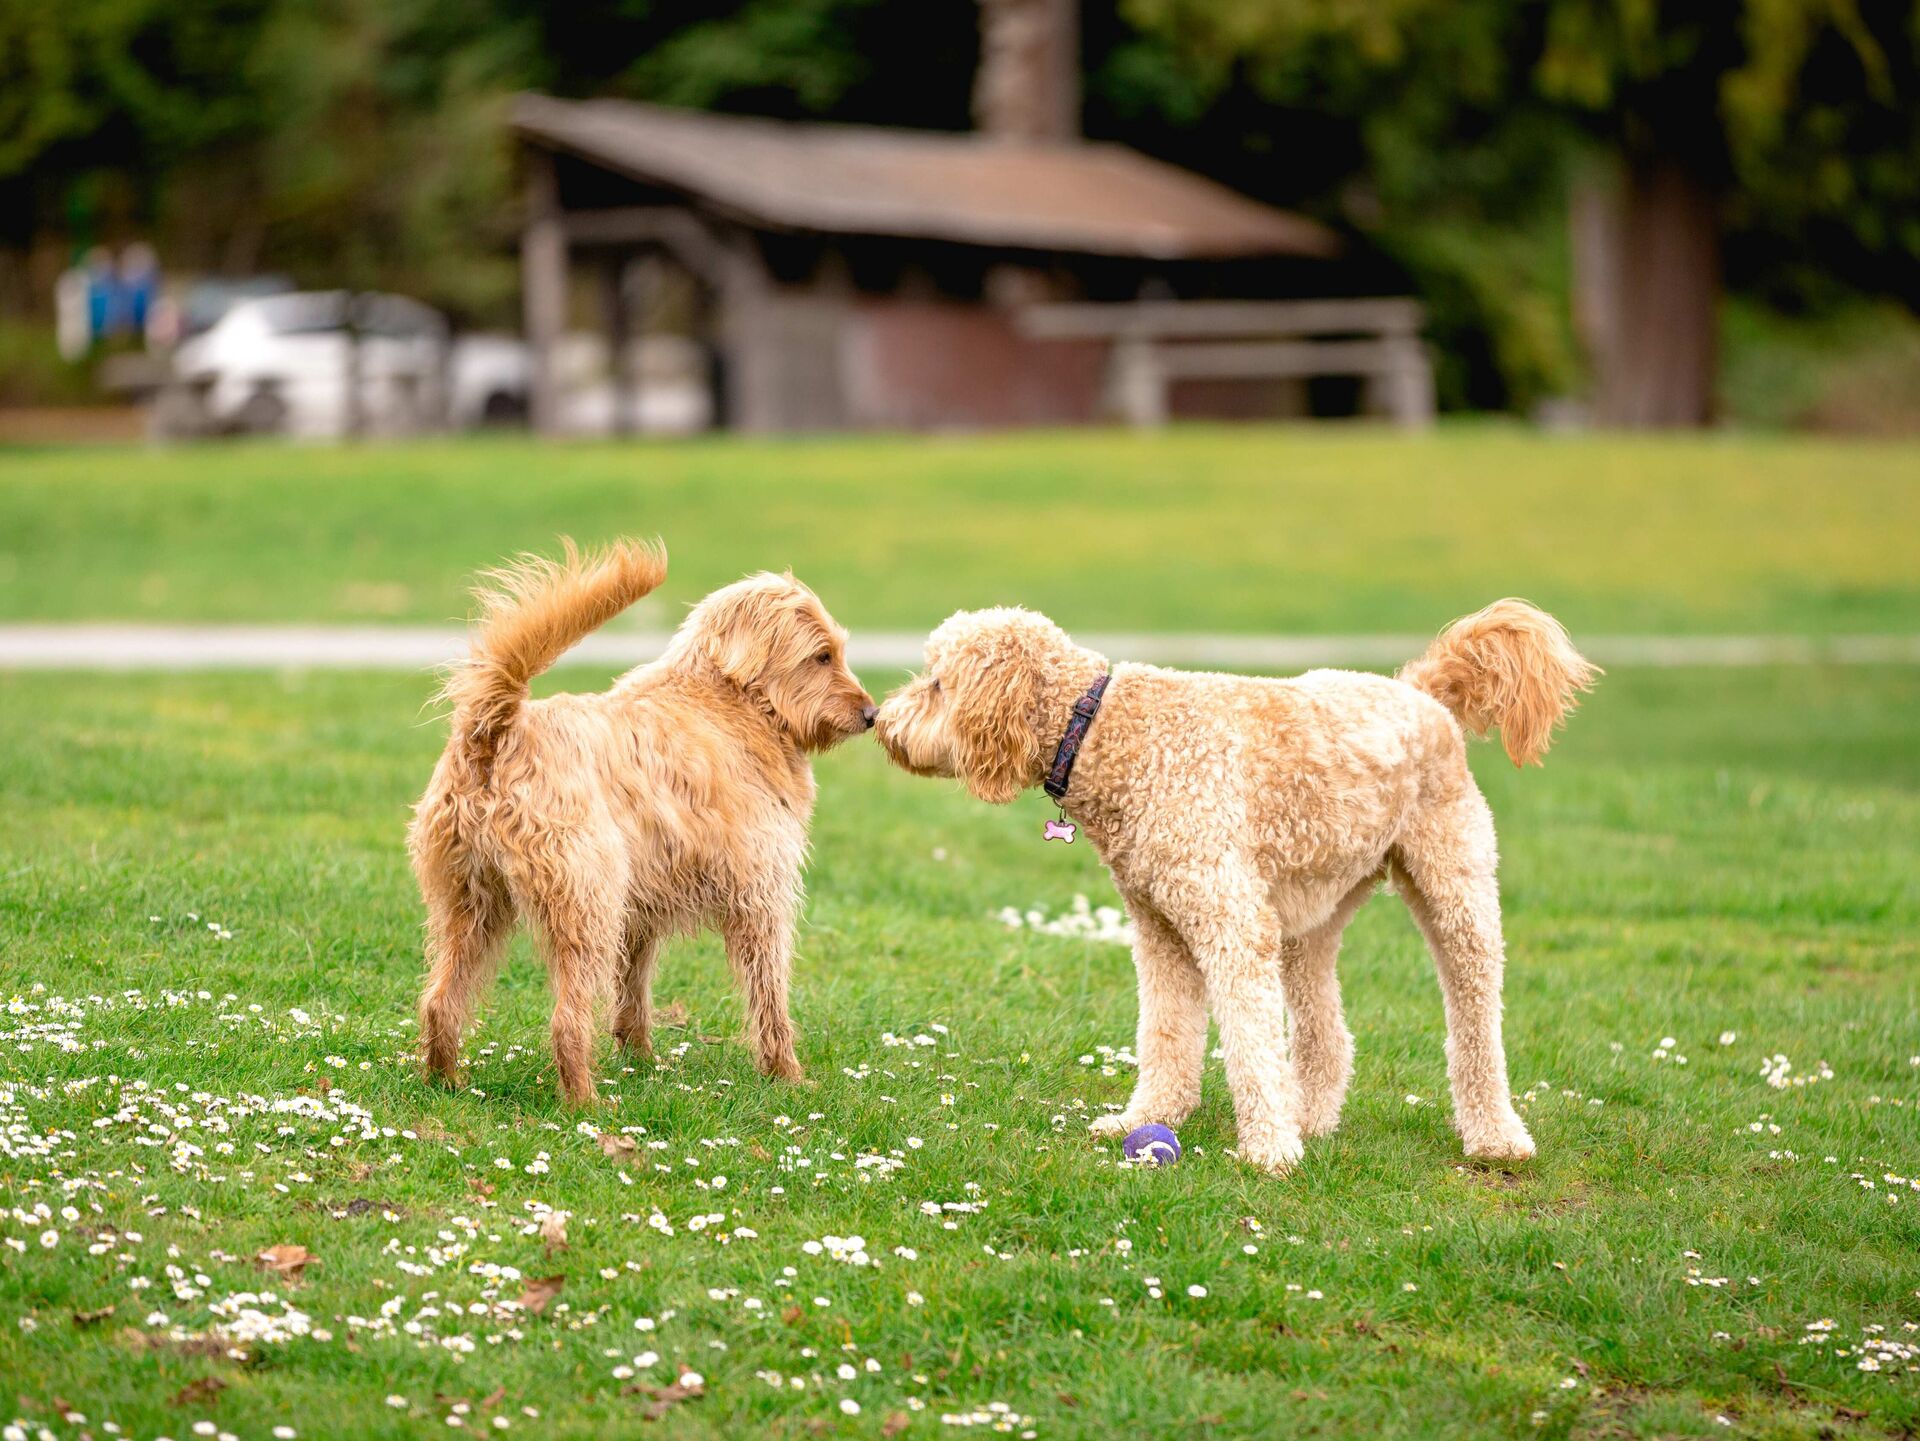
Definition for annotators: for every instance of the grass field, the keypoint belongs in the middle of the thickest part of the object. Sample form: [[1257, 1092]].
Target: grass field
[[1242, 529], [209, 947]]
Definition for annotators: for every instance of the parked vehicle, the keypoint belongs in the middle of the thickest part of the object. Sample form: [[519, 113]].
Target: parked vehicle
[[489, 377], [197, 306], [329, 364], [313, 364]]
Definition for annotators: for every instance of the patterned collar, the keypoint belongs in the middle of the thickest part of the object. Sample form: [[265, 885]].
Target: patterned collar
[[1084, 710]]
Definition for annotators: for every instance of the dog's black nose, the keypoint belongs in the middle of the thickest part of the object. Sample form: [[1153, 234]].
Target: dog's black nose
[[867, 713]]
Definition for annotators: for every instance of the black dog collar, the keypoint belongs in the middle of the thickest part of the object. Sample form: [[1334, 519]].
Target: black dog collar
[[1084, 710]]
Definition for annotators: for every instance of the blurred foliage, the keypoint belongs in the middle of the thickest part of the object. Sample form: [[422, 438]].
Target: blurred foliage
[[383, 162], [1854, 369], [32, 372], [127, 83], [360, 141], [1468, 118]]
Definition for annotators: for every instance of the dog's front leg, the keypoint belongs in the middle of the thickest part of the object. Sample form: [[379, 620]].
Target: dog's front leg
[[760, 950], [1236, 942], [1172, 1041]]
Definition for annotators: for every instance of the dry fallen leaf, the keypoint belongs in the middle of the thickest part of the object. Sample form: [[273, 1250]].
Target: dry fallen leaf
[[480, 1187], [195, 1393], [673, 1014], [664, 1398], [553, 1230], [92, 1318], [288, 1259], [200, 1345], [539, 1294], [895, 1423], [612, 1145], [792, 1314]]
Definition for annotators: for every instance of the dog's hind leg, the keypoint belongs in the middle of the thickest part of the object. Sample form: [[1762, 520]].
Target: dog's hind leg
[[582, 930], [468, 919], [760, 949], [1444, 867], [1172, 1040], [633, 1005], [1321, 1045]]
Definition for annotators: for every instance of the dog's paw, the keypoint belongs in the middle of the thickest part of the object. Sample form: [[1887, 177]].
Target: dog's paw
[[1110, 1127], [1504, 1139], [637, 1044], [1320, 1118], [1276, 1155]]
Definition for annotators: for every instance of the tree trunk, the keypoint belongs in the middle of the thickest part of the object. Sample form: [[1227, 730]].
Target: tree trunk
[[1647, 294], [1028, 84]]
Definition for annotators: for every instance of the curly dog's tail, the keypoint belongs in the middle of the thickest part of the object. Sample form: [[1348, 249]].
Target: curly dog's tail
[[531, 613], [1510, 665]]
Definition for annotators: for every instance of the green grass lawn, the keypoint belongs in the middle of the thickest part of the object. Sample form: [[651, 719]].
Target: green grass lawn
[[209, 944], [1715, 866], [1304, 529]]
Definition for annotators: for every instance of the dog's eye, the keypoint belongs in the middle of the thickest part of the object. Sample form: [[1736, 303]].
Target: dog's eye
[[825, 657]]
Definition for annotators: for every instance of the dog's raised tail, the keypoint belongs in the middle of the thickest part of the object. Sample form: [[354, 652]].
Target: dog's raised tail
[[531, 613], [1510, 665]]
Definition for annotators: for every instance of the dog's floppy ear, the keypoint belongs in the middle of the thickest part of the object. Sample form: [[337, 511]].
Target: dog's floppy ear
[[739, 630], [993, 691]]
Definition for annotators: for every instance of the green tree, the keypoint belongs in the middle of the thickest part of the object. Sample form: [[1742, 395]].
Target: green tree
[[384, 159], [1787, 126], [130, 88]]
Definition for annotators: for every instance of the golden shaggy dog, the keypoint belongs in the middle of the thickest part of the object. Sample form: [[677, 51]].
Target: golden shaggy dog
[[1245, 821], [677, 800]]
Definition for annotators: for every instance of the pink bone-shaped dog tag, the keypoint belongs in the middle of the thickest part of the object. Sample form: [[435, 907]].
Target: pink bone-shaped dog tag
[[1059, 831]]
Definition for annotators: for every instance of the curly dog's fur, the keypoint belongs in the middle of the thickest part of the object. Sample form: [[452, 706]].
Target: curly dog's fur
[[678, 799], [1246, 820]]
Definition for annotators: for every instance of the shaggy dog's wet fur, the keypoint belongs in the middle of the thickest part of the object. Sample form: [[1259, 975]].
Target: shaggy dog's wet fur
[[677, 800], [1246, 820]]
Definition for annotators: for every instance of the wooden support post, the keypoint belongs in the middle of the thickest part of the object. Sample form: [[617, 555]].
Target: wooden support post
[[543, 287], [745, 336], [354, 415], [1407, 385], [614, 275], [1138, 382]]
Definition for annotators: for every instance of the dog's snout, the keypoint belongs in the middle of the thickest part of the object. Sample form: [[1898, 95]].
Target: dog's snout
[[868, 712]]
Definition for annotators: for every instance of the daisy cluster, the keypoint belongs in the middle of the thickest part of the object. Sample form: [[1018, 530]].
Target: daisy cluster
[[1778, 1072], [477, 1274], [1875, 1351], [1082, 919], [459, 1284], [1110, 1059]]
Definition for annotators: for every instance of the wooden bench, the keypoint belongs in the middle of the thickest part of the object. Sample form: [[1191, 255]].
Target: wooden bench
[[1158, 342]]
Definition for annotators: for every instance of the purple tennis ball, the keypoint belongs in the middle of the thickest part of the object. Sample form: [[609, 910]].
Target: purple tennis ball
[[1151, 1145]]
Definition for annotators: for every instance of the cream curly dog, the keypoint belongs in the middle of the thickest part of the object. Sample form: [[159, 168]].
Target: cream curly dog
[[677, 800], [1245, 821]]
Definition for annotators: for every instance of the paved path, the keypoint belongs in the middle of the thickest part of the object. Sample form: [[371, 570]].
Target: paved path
[[320, 647]]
